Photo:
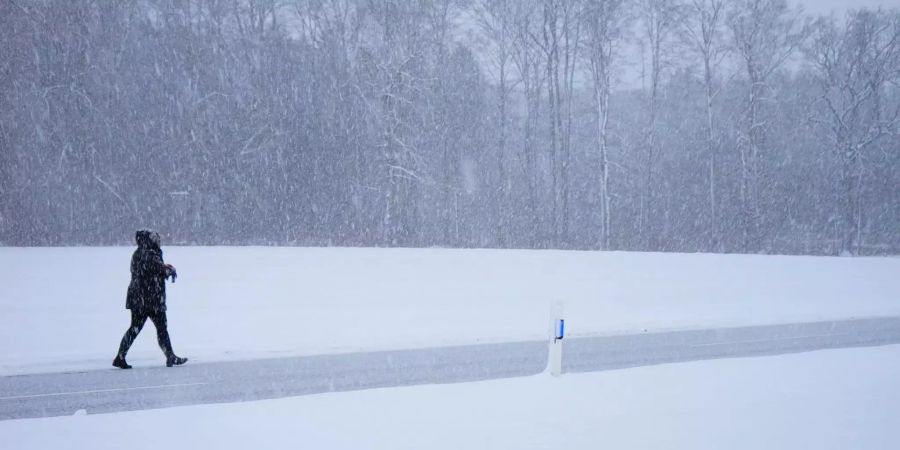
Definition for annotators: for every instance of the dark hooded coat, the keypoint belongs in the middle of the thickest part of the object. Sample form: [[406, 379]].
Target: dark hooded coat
[[147, 290]]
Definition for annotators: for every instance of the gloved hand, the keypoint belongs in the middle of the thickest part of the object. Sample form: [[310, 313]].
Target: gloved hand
[[170, 272]]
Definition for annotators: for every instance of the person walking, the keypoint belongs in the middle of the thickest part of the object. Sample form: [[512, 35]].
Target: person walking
[[147, 297]]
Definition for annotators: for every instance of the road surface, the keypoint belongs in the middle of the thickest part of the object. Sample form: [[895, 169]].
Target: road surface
[[103, 391]]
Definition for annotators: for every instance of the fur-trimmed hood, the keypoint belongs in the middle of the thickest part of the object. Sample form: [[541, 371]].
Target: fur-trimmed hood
[[147, 239]]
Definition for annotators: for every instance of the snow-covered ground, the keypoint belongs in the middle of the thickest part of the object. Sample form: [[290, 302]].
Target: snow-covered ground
[[63, 308], [834, 399]]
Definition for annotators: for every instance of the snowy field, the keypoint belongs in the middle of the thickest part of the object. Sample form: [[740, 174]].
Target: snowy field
[[63, 308], [834, 399]]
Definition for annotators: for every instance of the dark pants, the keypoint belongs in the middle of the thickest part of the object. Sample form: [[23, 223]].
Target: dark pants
[[138, 319]]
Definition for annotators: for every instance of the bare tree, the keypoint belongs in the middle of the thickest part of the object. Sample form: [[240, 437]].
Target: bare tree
[[526, 59], [496, 20], [572, 36], [702, 32], [376, 122], [335, 28], [855, 65], [659, 20], [605, 25], [765, 34], [559, 36], [397, 54]]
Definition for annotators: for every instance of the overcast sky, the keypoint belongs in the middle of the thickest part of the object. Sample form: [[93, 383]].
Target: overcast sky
[[628, 76], [826, 6]]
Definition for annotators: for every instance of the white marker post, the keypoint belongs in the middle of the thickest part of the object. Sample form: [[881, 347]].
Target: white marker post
[[557, 332]]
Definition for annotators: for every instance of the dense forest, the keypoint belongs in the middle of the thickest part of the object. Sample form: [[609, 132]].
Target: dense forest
[[653, 125]]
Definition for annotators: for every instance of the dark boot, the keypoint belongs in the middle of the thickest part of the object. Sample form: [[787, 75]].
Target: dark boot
[[120, 362], [175, 361], [138, 318]]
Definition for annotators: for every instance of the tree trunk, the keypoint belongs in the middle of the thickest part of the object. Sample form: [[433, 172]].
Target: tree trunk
[[714, 244], [851, 177]]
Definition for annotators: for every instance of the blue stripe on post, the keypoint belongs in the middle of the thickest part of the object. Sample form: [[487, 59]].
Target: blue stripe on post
[[562, 329]]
